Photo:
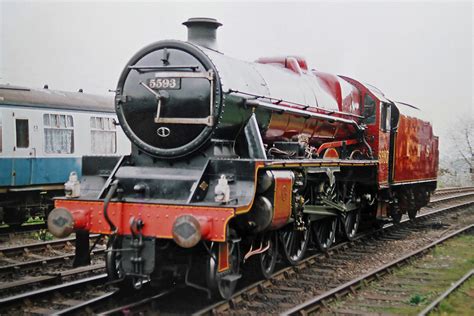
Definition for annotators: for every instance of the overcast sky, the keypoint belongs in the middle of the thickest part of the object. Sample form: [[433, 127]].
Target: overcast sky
[[416, 52]]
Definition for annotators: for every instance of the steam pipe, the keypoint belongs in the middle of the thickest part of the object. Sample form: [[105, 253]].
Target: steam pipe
[[108, 197], [285, 109]]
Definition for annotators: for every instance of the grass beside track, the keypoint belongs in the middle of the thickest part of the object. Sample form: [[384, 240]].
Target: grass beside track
[[461, 302], [417, 285]]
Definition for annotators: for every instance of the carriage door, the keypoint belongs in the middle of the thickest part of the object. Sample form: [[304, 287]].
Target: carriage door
[[22, 152], [384, 143]]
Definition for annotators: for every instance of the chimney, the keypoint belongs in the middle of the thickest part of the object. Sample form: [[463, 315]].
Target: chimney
[[202, 31]]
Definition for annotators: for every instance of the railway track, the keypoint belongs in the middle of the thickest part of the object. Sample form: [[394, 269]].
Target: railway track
[[34, 255], [28, 267], [7, 232], [446, 293], [60, 295], [279, 287], [320, 301], [333, 270], [453, 190]]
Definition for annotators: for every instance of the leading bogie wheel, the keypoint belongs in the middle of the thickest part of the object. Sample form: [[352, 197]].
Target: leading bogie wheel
[[113, 259], [222, 284]]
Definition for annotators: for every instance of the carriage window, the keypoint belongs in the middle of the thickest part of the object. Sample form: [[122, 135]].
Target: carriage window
[[386, 117], [103, 135], [58, 134], [22, 136], [369, 109]]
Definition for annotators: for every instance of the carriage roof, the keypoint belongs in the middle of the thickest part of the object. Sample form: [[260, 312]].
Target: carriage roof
[[46, 98]]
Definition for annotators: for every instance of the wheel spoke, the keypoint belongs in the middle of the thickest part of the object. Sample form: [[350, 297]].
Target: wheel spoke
[[324, 231], [351, 224], [294, 244]]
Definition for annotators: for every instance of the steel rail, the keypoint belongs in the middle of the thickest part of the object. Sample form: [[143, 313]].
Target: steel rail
[[49, 277], [314, 304], [97, 279], [23, 229], [42, 261], [446, 293], [454, 189], [40, 245], [451, 197], [93, 301], [222, 305], [133, 305]]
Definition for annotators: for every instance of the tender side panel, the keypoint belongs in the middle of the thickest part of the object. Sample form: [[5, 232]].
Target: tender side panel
[[416, 151]]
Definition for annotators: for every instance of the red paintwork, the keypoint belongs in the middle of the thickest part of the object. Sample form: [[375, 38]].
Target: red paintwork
[[331, 153], [331, 85], [362, 91], [335, 95], [223, 262], [158, 219], [383, 157], [287, 126], [416, 151], [346, 95], [410, 163], [286, 62], [81, 218], [378, 140], [282, 200], [335, 145]]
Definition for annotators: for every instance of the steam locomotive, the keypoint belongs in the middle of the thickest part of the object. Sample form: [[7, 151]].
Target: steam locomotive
[[235, 164]]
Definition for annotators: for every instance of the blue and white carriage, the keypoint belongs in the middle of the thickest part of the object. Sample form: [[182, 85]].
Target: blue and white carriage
[[43, 136]]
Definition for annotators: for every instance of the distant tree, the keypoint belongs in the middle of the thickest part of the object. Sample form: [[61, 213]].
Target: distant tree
[[462, 142]]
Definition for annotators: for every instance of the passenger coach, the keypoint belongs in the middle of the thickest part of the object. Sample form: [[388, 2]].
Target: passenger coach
[[43, 136]]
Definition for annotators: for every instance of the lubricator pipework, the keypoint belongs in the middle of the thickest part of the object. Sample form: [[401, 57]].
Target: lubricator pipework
[[108, 197]]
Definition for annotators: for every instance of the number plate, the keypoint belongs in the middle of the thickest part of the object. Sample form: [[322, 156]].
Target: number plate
[[165, 83]]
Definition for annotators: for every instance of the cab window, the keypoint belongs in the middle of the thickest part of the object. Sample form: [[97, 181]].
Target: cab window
[[369, 109], [22, 136], [385, 118]]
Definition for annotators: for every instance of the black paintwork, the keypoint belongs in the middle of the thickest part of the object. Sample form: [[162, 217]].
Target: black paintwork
[[137, 107]]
